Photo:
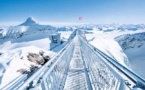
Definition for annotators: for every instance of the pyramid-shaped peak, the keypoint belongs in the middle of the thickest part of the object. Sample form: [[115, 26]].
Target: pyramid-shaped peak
[[30, 19], [29, 22]]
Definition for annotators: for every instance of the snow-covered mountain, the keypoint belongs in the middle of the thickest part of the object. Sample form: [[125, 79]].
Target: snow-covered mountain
[[107, 27], [29, 22], [67, 28], [30, 28], [129, 41], [131, 27], [134, 47]]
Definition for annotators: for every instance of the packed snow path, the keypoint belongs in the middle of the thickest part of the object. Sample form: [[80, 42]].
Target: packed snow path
[[77, 78], [80, 66]]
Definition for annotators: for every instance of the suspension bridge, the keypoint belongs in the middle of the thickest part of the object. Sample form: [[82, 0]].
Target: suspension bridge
[[79, 66]]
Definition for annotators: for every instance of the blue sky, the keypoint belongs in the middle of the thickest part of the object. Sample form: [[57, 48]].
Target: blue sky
[[92, 11]]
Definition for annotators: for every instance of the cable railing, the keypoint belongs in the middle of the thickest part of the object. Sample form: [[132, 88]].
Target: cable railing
[[98, 62], [102, 76], [136, 79]]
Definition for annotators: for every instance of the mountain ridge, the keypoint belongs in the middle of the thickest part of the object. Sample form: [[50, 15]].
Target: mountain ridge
[[29, 22]]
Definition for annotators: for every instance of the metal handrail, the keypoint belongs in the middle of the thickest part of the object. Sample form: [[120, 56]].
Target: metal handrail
[[136, 79], [49, 65], [23, 81]]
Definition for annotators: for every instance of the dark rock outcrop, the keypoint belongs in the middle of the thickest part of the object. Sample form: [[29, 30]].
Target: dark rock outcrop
[[39, 59], [36, 58]]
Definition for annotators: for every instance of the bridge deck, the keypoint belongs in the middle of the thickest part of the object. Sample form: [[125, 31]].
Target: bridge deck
[[76, 78]]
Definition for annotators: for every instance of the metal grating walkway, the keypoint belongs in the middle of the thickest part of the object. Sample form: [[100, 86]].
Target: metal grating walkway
[[76, 78]]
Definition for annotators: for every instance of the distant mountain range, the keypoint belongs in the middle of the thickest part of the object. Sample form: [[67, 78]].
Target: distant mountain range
[[30, 26], [105, 27], [129, 41]]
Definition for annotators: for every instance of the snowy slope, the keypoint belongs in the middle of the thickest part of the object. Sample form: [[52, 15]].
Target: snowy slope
[[134, 47], [9, 45], [16, 42], [17, 59], [122, 44], [12, 52], [110, 47]]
